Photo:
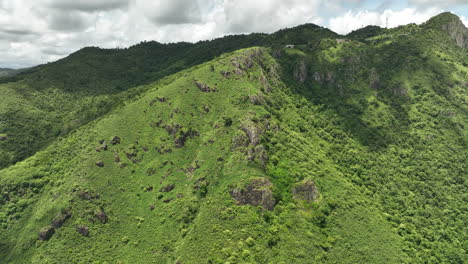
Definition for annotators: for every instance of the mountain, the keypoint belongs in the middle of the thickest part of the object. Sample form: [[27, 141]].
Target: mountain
[[302, 146], [5, 72], [48, 101]]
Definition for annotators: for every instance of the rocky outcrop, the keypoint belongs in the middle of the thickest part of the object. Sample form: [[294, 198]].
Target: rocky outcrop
[[115, 140], [374, 80], [305, 191], [205, 87], [180, 140], [257, 193], [253, 133], [457, 31], [61, 218], [259, 153], [400, 90], [101, 216], [46, 233], [322, 78], [3, 137], [300, 72], [257, 99], [102, 147], [168, 188], [82, 230]]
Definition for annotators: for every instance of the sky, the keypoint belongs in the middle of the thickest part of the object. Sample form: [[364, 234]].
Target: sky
[[38, 31]]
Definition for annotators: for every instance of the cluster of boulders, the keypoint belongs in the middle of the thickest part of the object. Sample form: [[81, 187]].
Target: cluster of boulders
[[206, 88], [47, 232], [104, 147]]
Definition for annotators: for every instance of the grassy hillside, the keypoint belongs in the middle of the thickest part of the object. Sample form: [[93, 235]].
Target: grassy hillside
[[48, 101], [327, 152]]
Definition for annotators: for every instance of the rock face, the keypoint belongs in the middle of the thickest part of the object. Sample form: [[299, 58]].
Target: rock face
[[305, 191], [253, 133], [374, 81], [46, 233], [257, 192], [300, 73], [457, 32], [451, 24]]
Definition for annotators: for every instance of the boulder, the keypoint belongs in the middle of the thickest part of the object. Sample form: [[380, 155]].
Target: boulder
[[61, 218], [46, 233], [101, 216], [115, 140], [205, 88], [225, 74], [305, 191], [168, 188], [82, 230], [257, 193], [100, 163]]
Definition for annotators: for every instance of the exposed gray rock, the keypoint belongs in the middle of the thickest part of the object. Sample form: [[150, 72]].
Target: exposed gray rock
[[318, 77], [258, 99], [257, 192], [306, 191], [205, 88], [253, 132], [300, 72], [457, 31], [374, 80]]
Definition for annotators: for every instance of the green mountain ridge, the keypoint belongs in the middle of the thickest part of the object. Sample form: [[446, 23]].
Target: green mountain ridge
[[341, 149]]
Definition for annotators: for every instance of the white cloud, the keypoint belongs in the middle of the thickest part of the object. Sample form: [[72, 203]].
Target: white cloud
[[165, 12], [33, 32], [464, 20], [268, 15], [432, 3], [86, 5], [355, 20]]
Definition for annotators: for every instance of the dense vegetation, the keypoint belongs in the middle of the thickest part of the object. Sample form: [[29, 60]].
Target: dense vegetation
[[47, 101], [332, 151]]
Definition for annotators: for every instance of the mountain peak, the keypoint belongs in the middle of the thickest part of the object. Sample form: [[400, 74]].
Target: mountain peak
[[452, 24]]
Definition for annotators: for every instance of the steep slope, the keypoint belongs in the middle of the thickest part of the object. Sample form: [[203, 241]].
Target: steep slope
[[188, 151], [333, 151], [51, 100]]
